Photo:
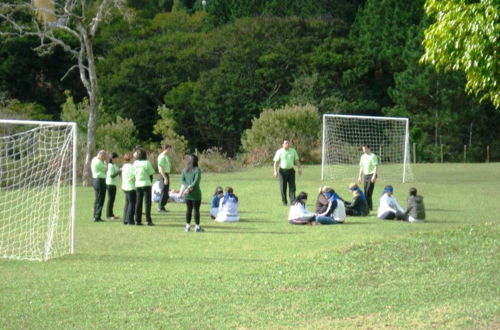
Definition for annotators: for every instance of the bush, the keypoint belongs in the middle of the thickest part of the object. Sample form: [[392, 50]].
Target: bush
[[119, 136], [300, 124], [214, 160]]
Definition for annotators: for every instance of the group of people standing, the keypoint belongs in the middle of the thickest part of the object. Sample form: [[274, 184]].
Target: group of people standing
[[330, 207], [137, 180]]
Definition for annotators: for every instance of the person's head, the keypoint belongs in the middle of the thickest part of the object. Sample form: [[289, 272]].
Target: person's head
[[102, 155], [301, 198], [167, 148], [354, 188], [329, 192], [413, 191], [218, 191], [286, 144], [113, 157], [141, 154], [389, 190], [366, 148], [128, 157], [230, 190], [323, 189], [192, 162]]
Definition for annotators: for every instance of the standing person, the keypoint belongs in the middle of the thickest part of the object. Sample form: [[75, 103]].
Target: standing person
[[284, 160], [98, 167], [368, 165], [111, 183], [389, 208], [191, 177], [143, 172], [164, 170], [128, 187]]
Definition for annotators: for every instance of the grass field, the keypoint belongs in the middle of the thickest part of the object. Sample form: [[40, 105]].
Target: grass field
[[264, 273]]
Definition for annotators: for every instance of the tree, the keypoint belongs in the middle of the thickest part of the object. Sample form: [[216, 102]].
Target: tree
[[57, 25], [465, 37]]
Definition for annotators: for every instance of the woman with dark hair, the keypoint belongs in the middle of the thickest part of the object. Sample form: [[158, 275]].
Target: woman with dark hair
[[191, 177], [335, 210], [298, 214], [143, 172], [111, 183]]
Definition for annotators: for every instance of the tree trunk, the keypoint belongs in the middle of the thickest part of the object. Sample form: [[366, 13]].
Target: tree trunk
[[93, 92]]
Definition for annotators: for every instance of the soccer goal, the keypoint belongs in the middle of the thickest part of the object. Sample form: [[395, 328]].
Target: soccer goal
[[388, 138], [37, 189]]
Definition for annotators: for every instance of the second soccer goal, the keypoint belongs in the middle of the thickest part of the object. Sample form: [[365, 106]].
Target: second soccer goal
[[343, 136]]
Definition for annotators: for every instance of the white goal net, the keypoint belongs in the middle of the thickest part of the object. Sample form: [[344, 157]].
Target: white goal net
[[388, 138], [37, 189]]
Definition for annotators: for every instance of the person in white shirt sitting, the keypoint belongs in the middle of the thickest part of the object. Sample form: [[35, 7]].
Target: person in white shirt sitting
[[228, 207], [298, 214], [388, 208]]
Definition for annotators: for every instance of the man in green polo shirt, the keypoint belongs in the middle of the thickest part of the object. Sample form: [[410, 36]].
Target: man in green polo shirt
[[284, 161], [368, 165], [99, 168], [164, 170]]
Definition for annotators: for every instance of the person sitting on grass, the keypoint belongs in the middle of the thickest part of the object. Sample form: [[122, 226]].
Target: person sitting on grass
[[214, 208], [321, 200], [358, 207], [389, 208], [415, 211], [335, 210], [228, 207], [298, 214]]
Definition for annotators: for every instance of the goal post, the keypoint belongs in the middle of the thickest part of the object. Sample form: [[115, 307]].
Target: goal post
[[343, 136], [37, 189]]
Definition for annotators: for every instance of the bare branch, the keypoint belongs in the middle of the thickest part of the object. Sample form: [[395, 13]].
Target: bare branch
[[71, 69]]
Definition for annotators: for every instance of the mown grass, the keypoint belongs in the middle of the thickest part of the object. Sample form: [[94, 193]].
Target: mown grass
[[264, 273]]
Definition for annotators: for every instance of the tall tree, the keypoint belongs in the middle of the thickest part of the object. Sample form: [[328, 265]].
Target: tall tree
[[53, 22], [465, 37]]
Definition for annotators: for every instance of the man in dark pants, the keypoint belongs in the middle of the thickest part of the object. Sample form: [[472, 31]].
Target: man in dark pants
[[368, 165], [164, 170], [284, 161], [99, 168]]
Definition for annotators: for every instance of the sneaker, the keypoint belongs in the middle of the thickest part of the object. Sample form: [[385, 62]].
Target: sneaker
[[188, 228], [138, 223], [98, 220], [162, 211], [150, 224], [199, 229]]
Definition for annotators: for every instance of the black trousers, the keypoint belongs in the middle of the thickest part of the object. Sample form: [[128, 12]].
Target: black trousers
[[368, 187], [287, 177], [164, 192], [193, 205], [129, 209], [100, 195], [143, 193], [111, 200], [389, 215]]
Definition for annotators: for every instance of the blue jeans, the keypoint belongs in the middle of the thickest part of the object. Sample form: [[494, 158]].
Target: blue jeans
[[325, 220]]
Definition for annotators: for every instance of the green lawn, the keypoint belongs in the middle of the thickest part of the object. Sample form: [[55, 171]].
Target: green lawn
[[264, 273]]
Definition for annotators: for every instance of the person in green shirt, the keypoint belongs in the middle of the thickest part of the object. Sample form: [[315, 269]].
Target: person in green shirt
[[164, 170], [128, 187], [191, 177], [143, 172], [98, 168], [284, 161], [368, 165], [111, 183]]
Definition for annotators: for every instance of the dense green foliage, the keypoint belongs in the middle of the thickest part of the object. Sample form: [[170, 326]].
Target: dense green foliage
[[216, 69], [299, 124], [465, 37], [263, 273]]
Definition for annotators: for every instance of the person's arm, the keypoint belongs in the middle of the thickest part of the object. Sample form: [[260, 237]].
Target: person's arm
[[275, 168], [375, 171], [330, 205], [299, 167], [360, 172]]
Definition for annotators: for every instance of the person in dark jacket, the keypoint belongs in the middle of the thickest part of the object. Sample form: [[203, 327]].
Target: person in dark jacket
[[358, 206], [415, 211], [321, 201]]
